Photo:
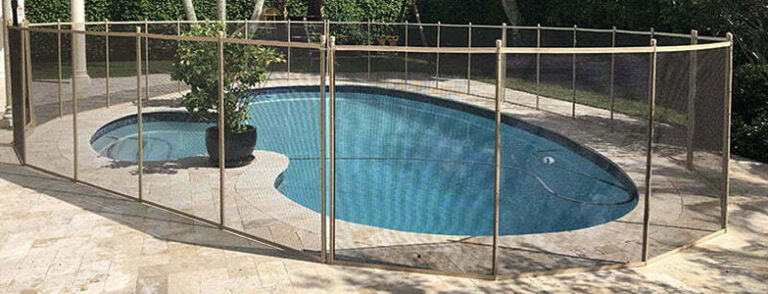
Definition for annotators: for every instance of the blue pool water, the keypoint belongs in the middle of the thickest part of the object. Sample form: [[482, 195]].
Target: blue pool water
[[409, 162]]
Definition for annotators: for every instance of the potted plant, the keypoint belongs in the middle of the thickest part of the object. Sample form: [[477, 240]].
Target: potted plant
[[245, 67]]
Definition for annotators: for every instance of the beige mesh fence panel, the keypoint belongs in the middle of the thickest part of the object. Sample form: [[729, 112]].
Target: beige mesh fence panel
[[481, 74], [521, 80], [667, 40], [409, 139], [632, 39], [687, 170], [277, 197], [557, 72], [453, 68], [570, 200], [177, 172], [108, 135], [522, 37], [50, 137], [593, 74], [422, 67], [159, 57], [405, 194]]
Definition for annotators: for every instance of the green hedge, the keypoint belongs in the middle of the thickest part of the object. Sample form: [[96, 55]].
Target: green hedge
[[51, 10], [750, 115]]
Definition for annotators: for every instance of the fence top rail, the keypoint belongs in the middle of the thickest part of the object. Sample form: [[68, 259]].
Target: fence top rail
[[534, 50], [419, 49], [177, 38], [318, 22], [410, 49]]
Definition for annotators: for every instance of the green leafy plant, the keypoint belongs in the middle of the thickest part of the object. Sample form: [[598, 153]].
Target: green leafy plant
[[245, 67]]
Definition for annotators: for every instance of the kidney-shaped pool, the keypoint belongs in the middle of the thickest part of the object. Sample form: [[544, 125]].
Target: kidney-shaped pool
[[408, 162]]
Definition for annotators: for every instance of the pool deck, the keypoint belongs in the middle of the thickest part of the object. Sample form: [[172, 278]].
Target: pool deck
[[74, 216]]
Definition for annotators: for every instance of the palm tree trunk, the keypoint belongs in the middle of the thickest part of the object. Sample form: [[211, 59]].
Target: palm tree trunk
[[221, 6], [510, 9], [258, 7], [189, 10]]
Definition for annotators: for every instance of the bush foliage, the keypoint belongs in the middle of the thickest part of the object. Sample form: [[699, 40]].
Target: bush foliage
[[197, 65]]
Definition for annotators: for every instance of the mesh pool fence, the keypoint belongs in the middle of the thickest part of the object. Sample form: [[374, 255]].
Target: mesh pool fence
[[409, 146]]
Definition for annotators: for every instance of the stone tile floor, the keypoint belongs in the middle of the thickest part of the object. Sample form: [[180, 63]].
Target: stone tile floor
[[60, 237], [56, 236]]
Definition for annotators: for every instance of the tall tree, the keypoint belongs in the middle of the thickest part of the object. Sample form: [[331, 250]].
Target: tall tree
[[512, 12], [189, 9], [221, 7], [257, 8]]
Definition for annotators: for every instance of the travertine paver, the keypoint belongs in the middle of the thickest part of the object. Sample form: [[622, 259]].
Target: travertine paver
[[108, 244], [196, 257]]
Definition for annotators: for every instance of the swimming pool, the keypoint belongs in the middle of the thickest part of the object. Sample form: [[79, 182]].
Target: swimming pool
[[409, 162]]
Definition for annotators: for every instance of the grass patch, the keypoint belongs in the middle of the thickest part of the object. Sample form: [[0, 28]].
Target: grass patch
[[624, 105], [50, 71]]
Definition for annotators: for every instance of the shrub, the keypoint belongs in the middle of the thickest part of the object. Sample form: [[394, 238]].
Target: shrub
[[750, 116], [245, 67]]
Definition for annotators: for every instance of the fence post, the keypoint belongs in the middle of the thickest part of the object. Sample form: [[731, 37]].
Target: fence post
[[323, 224], [469, 58], [73, 81], [58, 36], [222, 126], [8, 111], [649, 155], [406, 52], [538, 65], [245, 30], [332, 139], [178, 33], [613, 75], [288, 62], [437, 59], [369, 52], [326, 28], [106, 57], [504, 57], [28, 80], [22, 84], [573, 75], [504, 33], [692, 76], [500, 68], [146, 58], [727, 133], [139, 115]]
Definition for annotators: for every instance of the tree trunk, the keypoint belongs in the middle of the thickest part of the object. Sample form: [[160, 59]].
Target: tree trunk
[[315, 8], [221, 6], [258, 7], [510, 9], [189, 10]]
